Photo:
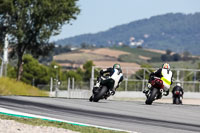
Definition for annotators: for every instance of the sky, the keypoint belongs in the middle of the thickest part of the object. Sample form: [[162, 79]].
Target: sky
[[101, 15]]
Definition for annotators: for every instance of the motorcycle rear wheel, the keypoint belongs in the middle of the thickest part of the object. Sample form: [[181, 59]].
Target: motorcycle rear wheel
[[177, 100], [101, 93]]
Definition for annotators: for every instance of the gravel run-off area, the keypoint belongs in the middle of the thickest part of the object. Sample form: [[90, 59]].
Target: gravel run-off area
[[11, 126]]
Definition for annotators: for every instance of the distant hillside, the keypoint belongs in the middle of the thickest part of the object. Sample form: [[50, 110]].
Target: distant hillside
[[177, 32], [105, 55], [126, 56], [102, 57]]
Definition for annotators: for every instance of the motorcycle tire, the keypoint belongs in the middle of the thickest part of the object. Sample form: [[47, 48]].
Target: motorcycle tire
[[100, 95], [152, 96], [177, 100], [91, 99]]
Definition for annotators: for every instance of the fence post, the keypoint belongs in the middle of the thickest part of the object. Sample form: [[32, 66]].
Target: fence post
[[178, 73], [92, 79], [73, 83], [126, 81], [199, 87], [68, 88], [56, 89], [143, 79], [126, 84], [194, 81], [51, 87], [182, 83]]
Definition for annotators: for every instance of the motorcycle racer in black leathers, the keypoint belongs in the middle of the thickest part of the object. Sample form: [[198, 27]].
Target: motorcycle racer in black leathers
[[180, 93]]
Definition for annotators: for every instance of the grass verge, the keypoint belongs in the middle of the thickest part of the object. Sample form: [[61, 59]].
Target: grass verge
[[40, 122], [10, 86]]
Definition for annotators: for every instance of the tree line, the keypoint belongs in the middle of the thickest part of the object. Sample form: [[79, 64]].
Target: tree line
[[169, 56], [35, 73]]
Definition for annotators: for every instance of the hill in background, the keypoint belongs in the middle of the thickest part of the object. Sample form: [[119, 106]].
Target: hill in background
[[177, 32], [106, 57], [126, 56]]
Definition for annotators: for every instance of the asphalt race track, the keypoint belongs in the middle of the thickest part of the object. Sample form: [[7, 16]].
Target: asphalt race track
[[132, 116]]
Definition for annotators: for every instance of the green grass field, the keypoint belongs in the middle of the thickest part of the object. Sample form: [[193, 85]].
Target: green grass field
[[12, 87], [135, 53], [138, 51], [156, 61]]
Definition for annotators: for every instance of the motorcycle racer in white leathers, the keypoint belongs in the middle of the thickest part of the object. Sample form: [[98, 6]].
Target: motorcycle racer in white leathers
[[115, 73], [165, 74]]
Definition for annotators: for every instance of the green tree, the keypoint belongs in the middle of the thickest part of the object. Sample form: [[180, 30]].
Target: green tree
[[80, 72], [168, 52], [87, 70], [34, 72], [176, 57], [11, 71], [166, 57], [71, 74], [30, 24]]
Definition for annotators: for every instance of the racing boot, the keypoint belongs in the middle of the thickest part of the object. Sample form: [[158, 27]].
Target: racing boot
[[112, 91], [146, 92], [96, 87]]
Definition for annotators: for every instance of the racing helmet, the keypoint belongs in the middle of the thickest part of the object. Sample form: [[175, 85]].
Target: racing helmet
[[178, 84], [166, 66], [116, 66]]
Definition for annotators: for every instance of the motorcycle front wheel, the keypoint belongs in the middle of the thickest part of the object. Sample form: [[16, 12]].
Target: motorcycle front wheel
[[100, 94], [152, 96]]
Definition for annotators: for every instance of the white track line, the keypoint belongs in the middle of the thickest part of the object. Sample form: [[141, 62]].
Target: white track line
[[27, 115]]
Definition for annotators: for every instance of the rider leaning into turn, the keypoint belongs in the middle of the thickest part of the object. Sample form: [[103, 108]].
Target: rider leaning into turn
[[165, 74], [109, 72]]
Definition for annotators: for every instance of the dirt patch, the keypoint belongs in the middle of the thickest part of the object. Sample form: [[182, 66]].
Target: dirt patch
[[105, 52], [11, 126], [129, 68], [103, 57], [80, 57], [70, 65], [111, 63], [144, 57], [156, 51]]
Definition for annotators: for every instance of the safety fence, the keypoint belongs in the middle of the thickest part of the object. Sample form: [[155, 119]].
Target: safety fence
[[135, 80]]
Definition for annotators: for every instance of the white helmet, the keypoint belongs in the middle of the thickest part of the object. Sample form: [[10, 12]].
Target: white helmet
[[178, 84]]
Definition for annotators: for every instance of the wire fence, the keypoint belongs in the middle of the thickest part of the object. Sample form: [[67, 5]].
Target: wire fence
[[135, 79]]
